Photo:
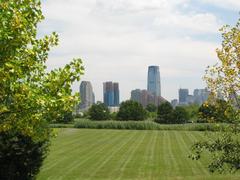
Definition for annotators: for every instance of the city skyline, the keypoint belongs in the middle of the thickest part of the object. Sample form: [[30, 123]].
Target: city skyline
[[117, 40], [151, 94]]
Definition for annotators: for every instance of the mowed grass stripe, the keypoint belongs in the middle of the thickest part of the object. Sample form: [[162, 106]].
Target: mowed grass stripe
[[191, 140], [186, 167], [76, 146], [92, 154], [146, 153], [130, 155], [118, 161], [60, 151], [116, 148], [66, 137], [172, 158], [126, 154], [152, 166]]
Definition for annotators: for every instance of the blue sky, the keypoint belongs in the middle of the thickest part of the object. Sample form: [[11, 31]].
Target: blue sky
[[119, 39]]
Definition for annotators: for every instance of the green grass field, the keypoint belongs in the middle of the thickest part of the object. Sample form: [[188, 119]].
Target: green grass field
[[125, 154]]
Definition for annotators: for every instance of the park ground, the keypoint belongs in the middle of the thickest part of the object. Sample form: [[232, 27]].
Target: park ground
[[125, 154]]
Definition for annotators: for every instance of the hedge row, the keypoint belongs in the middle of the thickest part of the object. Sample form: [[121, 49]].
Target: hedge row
[[146, 125]]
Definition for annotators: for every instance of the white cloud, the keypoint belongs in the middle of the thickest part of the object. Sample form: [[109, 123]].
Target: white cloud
[[197, 23], [226, 4], [118, 39]]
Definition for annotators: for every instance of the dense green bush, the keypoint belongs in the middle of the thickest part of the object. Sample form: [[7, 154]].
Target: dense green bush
[[67, 117], [20, 156], [151, 108], [192, 110], [131, 110], [217, 111], [180, 115], [99, 112], [165, 113]]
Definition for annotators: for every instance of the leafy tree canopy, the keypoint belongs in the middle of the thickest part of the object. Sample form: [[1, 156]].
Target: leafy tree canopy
[[30, 96], [165, 113], [99, 111], [151, 108], [224, 79], [131, 110]]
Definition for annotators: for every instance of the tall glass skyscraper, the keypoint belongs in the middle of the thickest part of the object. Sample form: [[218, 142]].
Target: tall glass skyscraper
[[183, 94], [111, 94], [154, 82], [87, 95]]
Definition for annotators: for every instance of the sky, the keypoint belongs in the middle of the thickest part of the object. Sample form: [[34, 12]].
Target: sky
[[118, 39]]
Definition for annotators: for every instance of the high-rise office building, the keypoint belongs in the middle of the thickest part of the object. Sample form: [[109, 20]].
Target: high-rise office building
[[154, 82], [87, 95], [183, 95], [144, 97], [111, 94], [116, 94], [136, 95], [200, 95]]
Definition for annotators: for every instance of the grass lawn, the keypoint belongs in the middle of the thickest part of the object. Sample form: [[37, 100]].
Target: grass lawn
[[125, 154]]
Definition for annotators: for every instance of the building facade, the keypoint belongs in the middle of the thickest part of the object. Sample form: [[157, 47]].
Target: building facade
[[200, 95], [154, 82], [86, 94], [144, 97], [183, 95], [111, 94]]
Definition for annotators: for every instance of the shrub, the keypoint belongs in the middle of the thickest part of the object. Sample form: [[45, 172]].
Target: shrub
[[146, 125], [151, 108], [67, 117], [99, 112], [131, 110], [165, 113], [20, 156], [180, 115]]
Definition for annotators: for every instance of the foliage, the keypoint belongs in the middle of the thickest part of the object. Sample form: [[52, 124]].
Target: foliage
[[131, 110], [151, 108], [67, 117], [165, 113], [224, 79], [99, 111], [217, 111], [180, 115], [224, 149], [144, 125], [24, 159], [29, 95], [206, 113], [192, 110]]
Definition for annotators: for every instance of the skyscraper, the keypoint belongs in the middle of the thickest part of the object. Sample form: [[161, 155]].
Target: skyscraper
[[87, 95], [116, 94], [154, 82], [183, 94], [111, 94], [144, 97]]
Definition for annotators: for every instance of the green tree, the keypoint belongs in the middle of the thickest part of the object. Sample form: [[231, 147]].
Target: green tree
[[165, 113], [99, 112], [192, 110], [151, 108], [224, 78], [206, 113], [30, 96], [180, 115], [131, 110]]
